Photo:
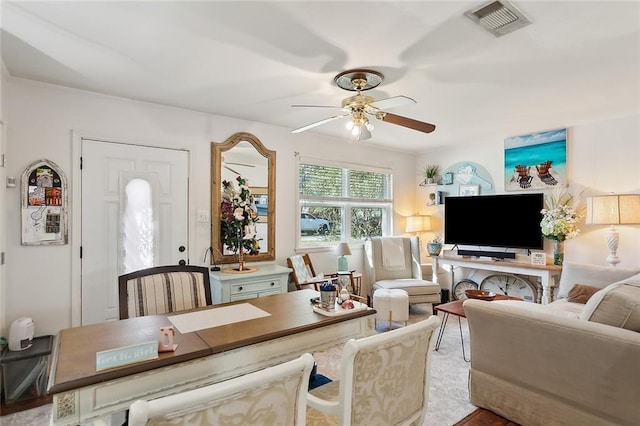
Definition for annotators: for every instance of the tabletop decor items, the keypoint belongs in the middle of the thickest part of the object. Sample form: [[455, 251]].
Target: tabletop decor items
[[560, 221], [238, 219]]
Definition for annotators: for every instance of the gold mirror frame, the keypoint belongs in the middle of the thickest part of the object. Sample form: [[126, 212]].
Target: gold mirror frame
[[217, 149]]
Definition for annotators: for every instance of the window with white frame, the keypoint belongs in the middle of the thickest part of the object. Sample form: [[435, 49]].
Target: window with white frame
[[342, 202]]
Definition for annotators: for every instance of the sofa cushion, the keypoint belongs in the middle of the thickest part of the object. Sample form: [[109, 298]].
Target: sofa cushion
[[581, 293], [593, 275], [617, 304]]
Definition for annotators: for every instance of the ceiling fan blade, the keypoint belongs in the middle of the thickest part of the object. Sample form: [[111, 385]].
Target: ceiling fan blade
[[392, 102], [420, 126], [242, 164], [232, 171], [316, 106], [318, 123]]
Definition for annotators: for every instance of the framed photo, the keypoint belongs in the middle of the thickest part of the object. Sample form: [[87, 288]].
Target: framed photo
[[468, 190], [447, 178], [538, 258]]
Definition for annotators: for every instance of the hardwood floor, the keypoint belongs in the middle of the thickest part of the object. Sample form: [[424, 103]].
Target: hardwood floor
[[482, 417]]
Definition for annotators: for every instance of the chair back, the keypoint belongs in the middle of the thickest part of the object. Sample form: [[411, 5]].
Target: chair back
[[272, 396], [384, 378], [303, 271], [380, 248], [163, 289]]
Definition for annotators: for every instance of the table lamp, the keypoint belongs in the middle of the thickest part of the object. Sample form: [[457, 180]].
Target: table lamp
[[342, 250], [418, 223], [613, 210]]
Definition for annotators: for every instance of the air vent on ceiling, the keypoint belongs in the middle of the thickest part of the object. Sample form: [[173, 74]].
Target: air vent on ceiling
[[498, 17]]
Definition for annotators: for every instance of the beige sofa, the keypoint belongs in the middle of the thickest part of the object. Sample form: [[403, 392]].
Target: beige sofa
[[560, 364]]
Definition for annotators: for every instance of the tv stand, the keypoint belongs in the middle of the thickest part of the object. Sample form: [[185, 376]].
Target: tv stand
[[548, 274]]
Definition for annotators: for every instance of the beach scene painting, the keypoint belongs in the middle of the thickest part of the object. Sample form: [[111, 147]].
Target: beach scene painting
[[535, 161]]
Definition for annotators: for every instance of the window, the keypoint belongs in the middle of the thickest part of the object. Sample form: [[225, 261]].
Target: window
[[342, 203], [137, 235]]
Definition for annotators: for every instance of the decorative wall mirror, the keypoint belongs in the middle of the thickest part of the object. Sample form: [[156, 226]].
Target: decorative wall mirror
[[244, 155]]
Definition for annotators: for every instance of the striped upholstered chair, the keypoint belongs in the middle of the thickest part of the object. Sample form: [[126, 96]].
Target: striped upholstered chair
[[163, 289]]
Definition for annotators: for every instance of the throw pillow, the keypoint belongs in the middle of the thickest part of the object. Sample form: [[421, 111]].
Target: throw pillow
[[581, 293], [617, 304], [594, 275]]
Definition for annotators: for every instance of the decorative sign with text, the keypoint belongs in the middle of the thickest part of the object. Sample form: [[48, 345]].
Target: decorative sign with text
[[126, 355]]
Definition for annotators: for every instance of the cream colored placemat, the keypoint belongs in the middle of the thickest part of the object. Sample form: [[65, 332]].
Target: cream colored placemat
[[194, 321]]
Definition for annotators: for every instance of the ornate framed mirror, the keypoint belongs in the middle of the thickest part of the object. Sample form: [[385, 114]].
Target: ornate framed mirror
[[244, 155]]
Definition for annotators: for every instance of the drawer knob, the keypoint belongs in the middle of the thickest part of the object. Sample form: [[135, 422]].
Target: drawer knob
[[239, 288], [272, 284]]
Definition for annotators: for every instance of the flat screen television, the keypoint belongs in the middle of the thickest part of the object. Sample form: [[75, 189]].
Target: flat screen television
[[496, 221]]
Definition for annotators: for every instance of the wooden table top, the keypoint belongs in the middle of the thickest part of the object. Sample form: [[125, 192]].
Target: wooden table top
[[74, 356], [456, 308]]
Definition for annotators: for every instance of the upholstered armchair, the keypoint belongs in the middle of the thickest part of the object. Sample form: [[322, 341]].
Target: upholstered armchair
[[384, 380], [275, 395], [163, 289], [394, 263]]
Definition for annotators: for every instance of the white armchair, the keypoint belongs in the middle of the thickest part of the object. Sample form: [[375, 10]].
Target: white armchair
[[394, 263], [384, 380], [273, 396]]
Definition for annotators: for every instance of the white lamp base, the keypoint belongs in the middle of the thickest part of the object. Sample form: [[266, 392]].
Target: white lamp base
[[612, 242]]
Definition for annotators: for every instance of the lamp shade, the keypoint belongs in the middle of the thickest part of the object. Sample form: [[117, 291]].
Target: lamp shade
[[343, 249], [613, 210], [418, 224]]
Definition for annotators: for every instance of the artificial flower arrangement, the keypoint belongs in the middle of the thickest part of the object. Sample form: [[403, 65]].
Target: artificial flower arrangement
[[238, 218], [560, 216]]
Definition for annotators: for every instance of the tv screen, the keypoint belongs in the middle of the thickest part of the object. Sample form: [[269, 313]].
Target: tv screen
[[510, 221]]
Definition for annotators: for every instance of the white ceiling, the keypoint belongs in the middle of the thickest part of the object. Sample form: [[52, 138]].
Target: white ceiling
[[578, 61]]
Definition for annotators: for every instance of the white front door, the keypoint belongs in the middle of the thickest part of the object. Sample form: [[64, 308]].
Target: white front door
[[134, 215]]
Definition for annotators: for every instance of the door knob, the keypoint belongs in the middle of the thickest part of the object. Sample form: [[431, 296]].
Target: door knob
[[181, 249], [182, 262]]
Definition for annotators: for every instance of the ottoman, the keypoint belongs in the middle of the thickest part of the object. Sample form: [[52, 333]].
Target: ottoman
[[391, 305]]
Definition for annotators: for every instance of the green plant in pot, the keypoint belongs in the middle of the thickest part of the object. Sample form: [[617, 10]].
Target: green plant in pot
[[431, 172], [434, 246]]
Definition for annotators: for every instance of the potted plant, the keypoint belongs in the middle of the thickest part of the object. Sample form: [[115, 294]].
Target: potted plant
[[434, 246], [430, 172]]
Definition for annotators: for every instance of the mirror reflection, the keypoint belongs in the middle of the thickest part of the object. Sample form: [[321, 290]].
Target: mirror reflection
[[242, 164]]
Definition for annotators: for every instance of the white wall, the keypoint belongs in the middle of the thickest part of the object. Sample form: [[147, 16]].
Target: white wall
[[38, 278], [602, 157], [3, 178]]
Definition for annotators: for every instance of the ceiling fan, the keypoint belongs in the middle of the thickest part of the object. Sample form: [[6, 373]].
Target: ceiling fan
[[360, 107]]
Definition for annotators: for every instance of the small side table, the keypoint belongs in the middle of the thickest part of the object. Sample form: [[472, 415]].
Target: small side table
[[456, 308], [26, 370]]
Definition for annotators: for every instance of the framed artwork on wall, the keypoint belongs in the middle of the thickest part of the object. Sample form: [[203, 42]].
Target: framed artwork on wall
[[535, 160]]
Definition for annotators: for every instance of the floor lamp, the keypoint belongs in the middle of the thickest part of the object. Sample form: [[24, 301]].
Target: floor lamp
[[613, 210]]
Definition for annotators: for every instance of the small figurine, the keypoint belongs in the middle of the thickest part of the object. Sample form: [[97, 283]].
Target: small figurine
[[165, 343]]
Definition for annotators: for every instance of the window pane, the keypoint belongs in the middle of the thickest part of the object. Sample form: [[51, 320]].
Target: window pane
[[319, 181], [366, 222], [320, 224], [369, 185], [137, 226]]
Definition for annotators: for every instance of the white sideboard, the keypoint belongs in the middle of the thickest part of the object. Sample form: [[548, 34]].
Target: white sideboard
[[548, 274], [267, 280]]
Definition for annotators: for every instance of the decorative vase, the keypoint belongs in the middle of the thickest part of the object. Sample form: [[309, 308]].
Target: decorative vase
[[434, 248], [240, 259], [558, 252]]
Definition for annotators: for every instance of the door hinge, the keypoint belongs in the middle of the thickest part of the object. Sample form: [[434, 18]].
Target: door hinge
[[80, 252], [81, 163]]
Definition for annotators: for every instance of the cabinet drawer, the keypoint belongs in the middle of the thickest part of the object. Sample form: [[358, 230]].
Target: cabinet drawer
[[254, 287]]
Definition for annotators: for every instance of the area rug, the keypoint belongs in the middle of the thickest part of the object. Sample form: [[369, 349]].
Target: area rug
[[448, 393]]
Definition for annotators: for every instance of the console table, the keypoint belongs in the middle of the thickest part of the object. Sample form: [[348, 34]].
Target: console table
[[267, 280], [548, 274]]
